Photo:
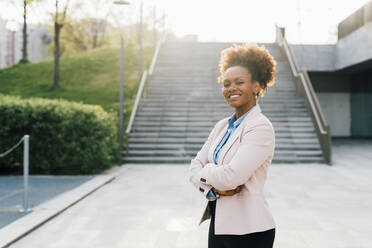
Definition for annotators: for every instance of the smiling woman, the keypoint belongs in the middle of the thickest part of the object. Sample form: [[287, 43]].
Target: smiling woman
[[231, 168]]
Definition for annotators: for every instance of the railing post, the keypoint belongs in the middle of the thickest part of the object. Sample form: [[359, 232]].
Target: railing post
[[280, 32], [328, 147], [26, 145]]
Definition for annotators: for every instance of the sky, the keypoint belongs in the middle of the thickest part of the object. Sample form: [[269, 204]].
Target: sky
[[306, 21]]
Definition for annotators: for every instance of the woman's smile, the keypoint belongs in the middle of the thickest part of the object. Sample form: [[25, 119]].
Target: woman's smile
[[234, 96]]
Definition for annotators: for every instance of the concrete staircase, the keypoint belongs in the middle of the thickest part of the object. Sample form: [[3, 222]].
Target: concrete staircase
[[183, 101]]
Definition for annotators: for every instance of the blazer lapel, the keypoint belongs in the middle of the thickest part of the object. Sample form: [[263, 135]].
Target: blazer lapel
[[216, 141], [236, 134]]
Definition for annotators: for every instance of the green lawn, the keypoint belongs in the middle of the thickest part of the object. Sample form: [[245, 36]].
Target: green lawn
[[90, 77]]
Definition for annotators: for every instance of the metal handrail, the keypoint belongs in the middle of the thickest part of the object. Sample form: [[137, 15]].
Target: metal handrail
[[305, 88], [138, 97], [142, 84], [316, 100], [154, 58]]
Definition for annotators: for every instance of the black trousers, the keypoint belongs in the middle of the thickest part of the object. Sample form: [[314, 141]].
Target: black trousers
[[252, 240]]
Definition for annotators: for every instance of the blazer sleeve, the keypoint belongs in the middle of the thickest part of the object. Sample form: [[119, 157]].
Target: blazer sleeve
[[197, 164], [257, 146]]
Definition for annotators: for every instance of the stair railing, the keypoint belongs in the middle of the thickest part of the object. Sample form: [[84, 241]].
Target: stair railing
[[306, 90], [143, 81]]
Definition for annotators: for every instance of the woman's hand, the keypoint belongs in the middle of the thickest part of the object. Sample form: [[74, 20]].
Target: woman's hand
[[228, 192]]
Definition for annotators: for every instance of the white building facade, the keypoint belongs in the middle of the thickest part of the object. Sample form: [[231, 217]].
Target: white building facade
[[11, 43]]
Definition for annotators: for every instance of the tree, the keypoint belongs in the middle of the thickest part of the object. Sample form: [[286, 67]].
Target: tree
[[24, 45], [59, 21], [84, 34]]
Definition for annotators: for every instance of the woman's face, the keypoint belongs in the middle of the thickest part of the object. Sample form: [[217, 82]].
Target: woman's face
[[238, 88]]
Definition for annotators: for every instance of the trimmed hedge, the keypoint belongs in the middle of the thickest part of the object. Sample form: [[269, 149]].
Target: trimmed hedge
[[65, 137]]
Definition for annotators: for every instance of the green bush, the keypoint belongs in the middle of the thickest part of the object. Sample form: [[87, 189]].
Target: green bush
[[65, 137]]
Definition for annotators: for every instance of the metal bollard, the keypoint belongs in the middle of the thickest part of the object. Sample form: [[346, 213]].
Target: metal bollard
[[25, 173]]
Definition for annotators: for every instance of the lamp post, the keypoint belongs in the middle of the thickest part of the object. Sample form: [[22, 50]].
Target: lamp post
[[121, 109], [140, 57]]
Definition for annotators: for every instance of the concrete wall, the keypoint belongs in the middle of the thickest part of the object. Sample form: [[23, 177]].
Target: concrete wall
[[315, 57], [354, 48], [336, 108], [356, 20], [333, 91]]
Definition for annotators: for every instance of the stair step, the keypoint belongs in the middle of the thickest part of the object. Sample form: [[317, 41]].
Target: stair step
[[218, 101], [216, 104], [285, 160], [197, 147], [199, 111], [184, 135], [278, 117], [210, 125], [159, 130], [201, 140], [212, 115], [187, 160], [152, 160], [190, 153], [198, 116]]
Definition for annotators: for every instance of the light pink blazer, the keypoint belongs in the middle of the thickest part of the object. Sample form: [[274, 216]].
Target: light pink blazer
[[243, 160]]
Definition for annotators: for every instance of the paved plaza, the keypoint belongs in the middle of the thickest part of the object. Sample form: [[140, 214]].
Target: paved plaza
[[314, 205]]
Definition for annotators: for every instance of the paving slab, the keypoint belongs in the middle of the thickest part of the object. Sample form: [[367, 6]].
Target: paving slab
[[314, 206], [49, 209]]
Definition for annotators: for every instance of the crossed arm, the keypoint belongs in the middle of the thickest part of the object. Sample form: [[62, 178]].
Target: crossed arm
[[257, 145]]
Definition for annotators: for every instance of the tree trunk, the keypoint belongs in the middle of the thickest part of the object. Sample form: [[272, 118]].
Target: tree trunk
[[58, 24], [95, 39], [57, 28], [24, 46], [56, 55]]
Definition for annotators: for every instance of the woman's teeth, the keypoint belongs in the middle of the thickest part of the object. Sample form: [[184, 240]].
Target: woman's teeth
[[234, 96]]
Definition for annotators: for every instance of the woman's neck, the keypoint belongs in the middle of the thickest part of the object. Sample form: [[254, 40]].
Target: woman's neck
[[243, 109]]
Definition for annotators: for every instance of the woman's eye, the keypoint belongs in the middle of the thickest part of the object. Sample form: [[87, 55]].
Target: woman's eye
[[226, 85], [240, 83]]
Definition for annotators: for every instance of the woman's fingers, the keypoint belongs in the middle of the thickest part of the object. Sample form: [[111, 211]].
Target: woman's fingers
[[227, 192], [222, 192], [238, 189]]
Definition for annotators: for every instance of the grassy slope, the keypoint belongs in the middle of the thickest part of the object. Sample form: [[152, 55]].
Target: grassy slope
[[91, 78]]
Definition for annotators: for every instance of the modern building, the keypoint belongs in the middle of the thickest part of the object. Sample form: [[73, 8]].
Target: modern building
[[341, 75]]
